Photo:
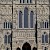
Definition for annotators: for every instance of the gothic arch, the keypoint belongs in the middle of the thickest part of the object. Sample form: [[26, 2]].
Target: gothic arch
[[26, 46], [25, 42], [44, 37]]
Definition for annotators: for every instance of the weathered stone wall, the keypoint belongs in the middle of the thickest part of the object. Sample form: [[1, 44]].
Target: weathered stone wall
[[20, 36]]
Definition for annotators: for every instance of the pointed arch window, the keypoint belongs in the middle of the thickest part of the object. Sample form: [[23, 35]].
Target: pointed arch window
[[7, 39], [31, 19], [20, 19], [26, 17], [44, 38]]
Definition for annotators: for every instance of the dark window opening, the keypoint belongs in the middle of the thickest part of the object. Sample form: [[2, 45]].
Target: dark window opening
[[43, 39], [31, 19], [20, 1], [20, 19], [34, 48], [26, 46], [7, 49], [27, 1], [9, 38], [18, 48], [26, 17], [5, 39]]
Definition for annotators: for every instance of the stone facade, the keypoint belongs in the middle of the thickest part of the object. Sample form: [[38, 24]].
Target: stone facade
[[23, 35]]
